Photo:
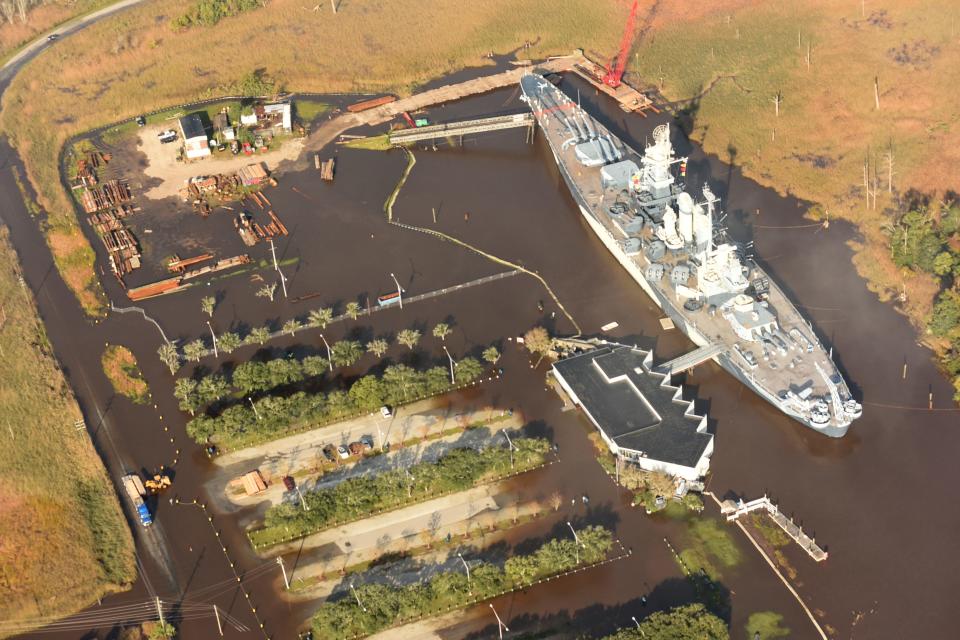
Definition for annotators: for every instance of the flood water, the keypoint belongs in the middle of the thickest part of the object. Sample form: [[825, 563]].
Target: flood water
[[879, 499]]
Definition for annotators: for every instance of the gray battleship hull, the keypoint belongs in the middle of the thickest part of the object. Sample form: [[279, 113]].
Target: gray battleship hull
[[723, 359]]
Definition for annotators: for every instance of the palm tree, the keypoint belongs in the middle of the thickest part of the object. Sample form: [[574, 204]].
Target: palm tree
[[491, 354], [353, 310], [185, 390], [258, 335], [208, 304], [408, 338], [345, 353], [169, 356], [378, 347], [291, 326], [538, 341], [194, 350], [320, 317], [229, 341], [267, 291], [442, 330]]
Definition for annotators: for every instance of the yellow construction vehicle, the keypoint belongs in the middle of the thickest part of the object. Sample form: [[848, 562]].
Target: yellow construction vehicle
[[158, 484]]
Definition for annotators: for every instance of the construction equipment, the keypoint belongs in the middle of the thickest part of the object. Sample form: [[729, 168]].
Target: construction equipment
[[159, 483], [410, 122], [619, 63]]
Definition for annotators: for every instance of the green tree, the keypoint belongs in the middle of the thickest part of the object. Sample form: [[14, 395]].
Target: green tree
[[538, 341], [320, 317], [161, 631], [943, 263], [684, 623], [315, 366], [208, 304], [442, 330], [945, 319], [378, 347], [491, 354], [353, 310], [914, 242], [229, 342], [290, 326], [211, 388], [258, 335], [169, 356], [185, 390], [468, 370], [408, 338], [767, 624], [194, 350], [345, 353], [367, 393]]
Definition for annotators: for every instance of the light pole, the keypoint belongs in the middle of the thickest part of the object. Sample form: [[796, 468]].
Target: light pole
[[410, 485], [510, 444], [576, 539], [329, 358], [467, 567], [254, 407], [453, 379], [500, 626], [283, 280], [214, 336], [399, 289], [303, 502], [360, 604], [642, 632]]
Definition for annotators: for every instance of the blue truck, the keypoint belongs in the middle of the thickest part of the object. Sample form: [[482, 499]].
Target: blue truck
[[137, 494]]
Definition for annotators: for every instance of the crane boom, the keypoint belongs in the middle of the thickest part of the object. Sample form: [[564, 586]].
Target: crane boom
[[619, 63]]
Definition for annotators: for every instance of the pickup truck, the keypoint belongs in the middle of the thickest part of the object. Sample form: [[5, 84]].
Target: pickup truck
[[137, 492]]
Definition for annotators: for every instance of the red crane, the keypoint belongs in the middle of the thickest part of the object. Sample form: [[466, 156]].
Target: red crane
[[619, 63]]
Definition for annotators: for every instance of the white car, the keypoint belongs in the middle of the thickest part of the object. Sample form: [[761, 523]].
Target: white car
[[167, 136], [385, 412]]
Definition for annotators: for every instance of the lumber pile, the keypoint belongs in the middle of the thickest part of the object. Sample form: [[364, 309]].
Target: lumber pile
[[326, 170]]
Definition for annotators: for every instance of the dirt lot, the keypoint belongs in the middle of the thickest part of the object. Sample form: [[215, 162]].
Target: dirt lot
[[162, 163]]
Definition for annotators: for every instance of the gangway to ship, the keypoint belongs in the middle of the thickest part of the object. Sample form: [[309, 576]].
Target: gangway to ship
[[464, 127], [690, 360]]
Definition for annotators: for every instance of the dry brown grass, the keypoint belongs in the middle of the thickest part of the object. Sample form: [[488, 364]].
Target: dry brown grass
[[63, 538], [40, 20], [828, 110], [120, 366]]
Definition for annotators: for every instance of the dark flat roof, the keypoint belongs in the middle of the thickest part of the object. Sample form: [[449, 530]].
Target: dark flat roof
[[627, 409], [192, 126]]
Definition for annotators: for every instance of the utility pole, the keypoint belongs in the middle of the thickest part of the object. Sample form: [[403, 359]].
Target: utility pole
[[453, 379], [399, 289], [254, 407], [329, 359], [876, 91], [216, 614], [510, 443], [214, 336], [283, 280], [284, 570], [776, 102], [500, 626], [163, 625], [467, 567], [333, 5]]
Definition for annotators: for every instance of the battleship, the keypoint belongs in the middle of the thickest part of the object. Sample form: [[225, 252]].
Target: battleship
[[676, 248]]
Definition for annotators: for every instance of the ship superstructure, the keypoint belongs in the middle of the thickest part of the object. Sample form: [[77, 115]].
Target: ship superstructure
[[672, 243]]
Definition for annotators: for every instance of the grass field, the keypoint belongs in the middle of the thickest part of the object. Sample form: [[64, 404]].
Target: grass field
[[41, 19], [120, 366], [64, 540], [829, 122]]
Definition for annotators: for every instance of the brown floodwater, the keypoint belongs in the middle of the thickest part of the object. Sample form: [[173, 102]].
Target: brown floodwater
[[878, 499]]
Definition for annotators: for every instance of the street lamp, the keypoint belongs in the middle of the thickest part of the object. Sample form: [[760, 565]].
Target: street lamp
[[642, 632], [359, 604], [303, 502], [467, 567], [254, 407], [399, 289], [214, 336], [410, 484], [283, 280], [329, 358], [576, 539], [453, 379], [500, 626], [510, 444]]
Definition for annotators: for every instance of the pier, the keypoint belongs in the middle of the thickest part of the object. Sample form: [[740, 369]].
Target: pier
[[478, 125], [690, 360], [733, 510]]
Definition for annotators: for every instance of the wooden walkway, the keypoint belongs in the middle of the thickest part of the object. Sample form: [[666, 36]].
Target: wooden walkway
[[733, 510], [329, 131]]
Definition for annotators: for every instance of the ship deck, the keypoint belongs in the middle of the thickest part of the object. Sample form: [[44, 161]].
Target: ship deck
[[795, 370]]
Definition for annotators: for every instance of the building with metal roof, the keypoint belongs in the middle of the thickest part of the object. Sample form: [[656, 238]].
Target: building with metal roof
[[195, 143], [640, 415]]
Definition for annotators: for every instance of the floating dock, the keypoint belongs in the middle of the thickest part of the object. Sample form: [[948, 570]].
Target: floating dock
[[733, 510]]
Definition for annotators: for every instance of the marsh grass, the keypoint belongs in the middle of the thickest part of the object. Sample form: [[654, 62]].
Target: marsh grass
[[65, 541]]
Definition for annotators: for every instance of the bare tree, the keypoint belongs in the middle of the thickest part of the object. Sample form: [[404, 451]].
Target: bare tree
[[556, 500], [442, 330], [267, 291]]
